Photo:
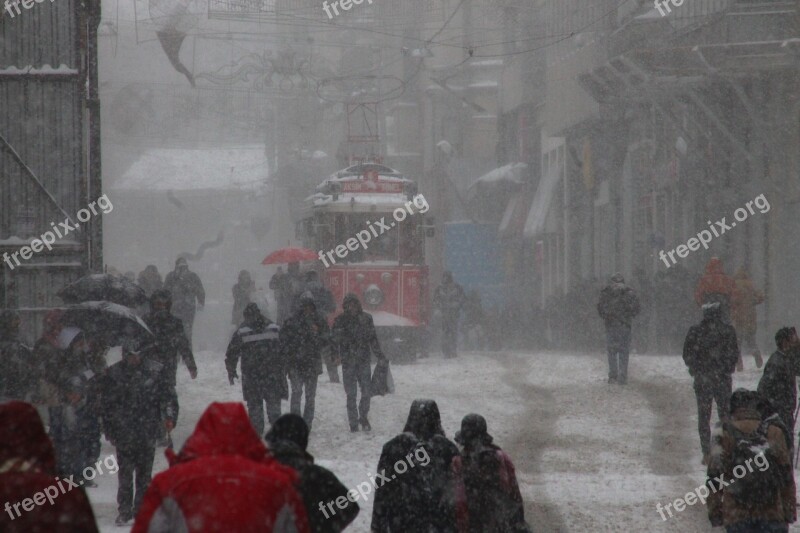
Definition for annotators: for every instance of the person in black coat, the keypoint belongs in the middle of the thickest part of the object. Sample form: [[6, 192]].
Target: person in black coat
[[287, 441], [171, 339], [418, 496], [779, 381], [186, 288], [354, 335], [711, 352], [242, 292], [257, 344], [137, 400], [617, 307], [303, 336], [17, 377]]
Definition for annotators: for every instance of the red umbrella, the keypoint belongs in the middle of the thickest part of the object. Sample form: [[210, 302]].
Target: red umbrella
[[290, 254]]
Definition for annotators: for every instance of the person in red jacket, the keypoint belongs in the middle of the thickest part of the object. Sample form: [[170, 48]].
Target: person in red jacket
[[35, 500], [223, 480], [715, 286]]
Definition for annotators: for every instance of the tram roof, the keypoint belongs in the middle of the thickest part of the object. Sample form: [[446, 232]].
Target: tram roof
[[349, 190]]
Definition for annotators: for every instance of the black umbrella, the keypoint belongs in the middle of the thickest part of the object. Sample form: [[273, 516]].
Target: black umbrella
[[103, 287], [108, 322]]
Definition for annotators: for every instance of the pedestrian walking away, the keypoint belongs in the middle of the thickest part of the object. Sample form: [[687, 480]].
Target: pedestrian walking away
[[418, 498], [256, 342], [617, 307], [778, 383], [449, 299], [750, 470], [357, 341], [303, 336], [287, 440], [224, 479], [137, 399], [710, 353], [716, 286], [187, 294], [486, 491]]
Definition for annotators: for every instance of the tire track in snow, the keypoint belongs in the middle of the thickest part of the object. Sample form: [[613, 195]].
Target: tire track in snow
[[534, 434]]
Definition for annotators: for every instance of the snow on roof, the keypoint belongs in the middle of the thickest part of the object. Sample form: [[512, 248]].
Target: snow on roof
[[45, 70], [541, 202], [386, 200], [194, 169], [511, 172]]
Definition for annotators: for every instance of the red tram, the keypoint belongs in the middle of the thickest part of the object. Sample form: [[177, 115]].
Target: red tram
[[368, 223]]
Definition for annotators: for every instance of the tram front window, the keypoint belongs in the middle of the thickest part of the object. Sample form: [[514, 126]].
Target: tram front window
[[384, 247]]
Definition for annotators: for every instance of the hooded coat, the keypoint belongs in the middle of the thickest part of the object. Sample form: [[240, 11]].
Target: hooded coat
[[303, 336], [618, 303], [779, 383], [715, 285], [223, 480], [407, 502], [171, 342], [355, 335], [263, 360], [711, 348], [745, 299], [17, 375], [27, 469]]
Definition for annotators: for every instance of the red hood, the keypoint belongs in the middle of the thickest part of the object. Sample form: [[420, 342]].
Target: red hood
[[23, 439], [223, 429], [714, 266]]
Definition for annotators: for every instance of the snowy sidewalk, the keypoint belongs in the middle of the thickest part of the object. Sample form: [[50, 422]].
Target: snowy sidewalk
[[590, 456]]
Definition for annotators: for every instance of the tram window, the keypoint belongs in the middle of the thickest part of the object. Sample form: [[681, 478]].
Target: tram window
[[384, 247]]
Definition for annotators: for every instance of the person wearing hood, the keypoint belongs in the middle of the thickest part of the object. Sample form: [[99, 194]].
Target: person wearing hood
[[257, 344], [357, 341], [150, 281], [715, 286], [778, 383], [137, 399], [487, 496], [326, 305], [223, 479], [617, 307], [710, 352], [303, 337], [449, 299], [28, 469], [17, 369], [186, 288], [419, 496], [743, 314], [319, 488], [764, 499], [242, 292]]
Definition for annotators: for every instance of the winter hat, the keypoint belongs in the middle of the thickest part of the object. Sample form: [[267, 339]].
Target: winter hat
[[712, 310], [473, 427], [289, 427], [307, 298], [617, 278], [67, 336], [181, 261], [743, 398], [784, 334], [351, 297], [253, 314]]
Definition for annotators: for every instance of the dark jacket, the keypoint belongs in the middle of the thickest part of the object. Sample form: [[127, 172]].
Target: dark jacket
[[779, 383], [257, 344], [303, 337], [711, 348], [449, 298], [317, 484], [241, 297], [323, 298], [618, 303], [171, 342], [355, 335], [28, 467], [18, 377], [421, 498], [185, 287], [135, 402]]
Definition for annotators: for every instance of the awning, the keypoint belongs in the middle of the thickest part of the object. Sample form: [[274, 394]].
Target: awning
[[508, 173], [537, 216], [516, 213]]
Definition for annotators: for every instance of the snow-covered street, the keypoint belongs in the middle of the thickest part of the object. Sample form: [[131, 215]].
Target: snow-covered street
[[590, 456]]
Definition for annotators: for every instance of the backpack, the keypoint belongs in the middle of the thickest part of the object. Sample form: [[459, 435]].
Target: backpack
[[757, 486], [487, 500], [424, 486]]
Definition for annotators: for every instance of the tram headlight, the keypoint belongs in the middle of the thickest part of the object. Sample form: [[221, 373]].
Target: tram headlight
[[373, 295]]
